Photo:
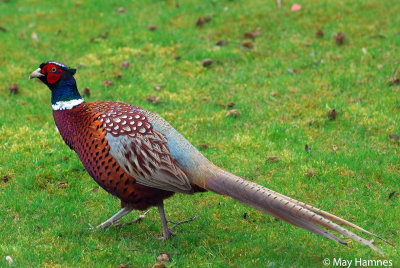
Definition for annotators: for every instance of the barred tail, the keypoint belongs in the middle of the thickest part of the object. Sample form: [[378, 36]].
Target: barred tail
[[283, 207]]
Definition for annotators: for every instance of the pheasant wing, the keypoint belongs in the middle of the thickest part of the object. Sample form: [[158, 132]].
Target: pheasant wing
[[142, 150]]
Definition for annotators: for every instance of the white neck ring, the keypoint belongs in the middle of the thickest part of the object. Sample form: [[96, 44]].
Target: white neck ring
[[66, 105]]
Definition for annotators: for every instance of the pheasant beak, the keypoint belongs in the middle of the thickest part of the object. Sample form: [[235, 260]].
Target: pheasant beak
[[36, 74]]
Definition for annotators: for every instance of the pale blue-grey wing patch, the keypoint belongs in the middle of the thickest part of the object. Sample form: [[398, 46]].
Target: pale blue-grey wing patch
[[148, 160]]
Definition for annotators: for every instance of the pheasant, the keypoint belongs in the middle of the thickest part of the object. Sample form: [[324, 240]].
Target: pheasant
[[138, 157]]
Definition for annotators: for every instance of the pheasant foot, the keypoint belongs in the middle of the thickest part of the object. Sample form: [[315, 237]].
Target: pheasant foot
[[167, 232], [138, 219], [175, 224]]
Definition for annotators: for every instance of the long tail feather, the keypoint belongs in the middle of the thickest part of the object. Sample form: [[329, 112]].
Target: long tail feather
[[330, 216], [284, 208]]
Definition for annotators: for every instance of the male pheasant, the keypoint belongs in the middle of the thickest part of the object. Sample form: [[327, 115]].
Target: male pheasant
[[137, 156]]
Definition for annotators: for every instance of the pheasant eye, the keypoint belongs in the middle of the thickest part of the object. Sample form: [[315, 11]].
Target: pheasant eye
[[53, 69]]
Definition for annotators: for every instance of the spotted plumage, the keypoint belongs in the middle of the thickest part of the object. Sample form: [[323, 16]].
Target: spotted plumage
[[141, 159], [89, 128]]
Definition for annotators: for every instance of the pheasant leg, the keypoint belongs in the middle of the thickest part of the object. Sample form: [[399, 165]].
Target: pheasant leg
[[115, 218], [167, 233]]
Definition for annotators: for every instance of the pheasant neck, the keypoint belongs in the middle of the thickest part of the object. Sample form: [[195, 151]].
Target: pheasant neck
[[65, 95]]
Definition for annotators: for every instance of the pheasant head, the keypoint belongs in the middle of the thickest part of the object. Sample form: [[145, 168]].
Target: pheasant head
[[60, 80]]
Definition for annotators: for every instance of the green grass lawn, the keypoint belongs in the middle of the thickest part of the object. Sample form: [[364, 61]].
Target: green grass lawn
[[283, 88]]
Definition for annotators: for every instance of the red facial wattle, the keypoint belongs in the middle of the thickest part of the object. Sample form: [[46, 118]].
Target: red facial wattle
[[53, 73]]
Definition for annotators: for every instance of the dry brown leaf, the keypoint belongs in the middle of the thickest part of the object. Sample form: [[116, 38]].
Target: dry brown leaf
[[319, 33], [158, 87], [206, 62], [108, 83], [203, 146], [200, 22], [86, 92], [153, 99], [252, 35], [332, 114], [273, 158], [125, 64], [121, 10], [232, 113], [163, 257], [159, 265], [221, 43], [13, 89], [340, 37], [247, 44], [153, 27], [62, 185], [310, 173], [308, 148]]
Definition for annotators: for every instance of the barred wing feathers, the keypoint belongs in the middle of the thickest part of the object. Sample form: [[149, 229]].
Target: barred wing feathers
[[142, 150]]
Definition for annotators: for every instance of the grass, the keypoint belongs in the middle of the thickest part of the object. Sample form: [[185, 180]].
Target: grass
[[49, 199]]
